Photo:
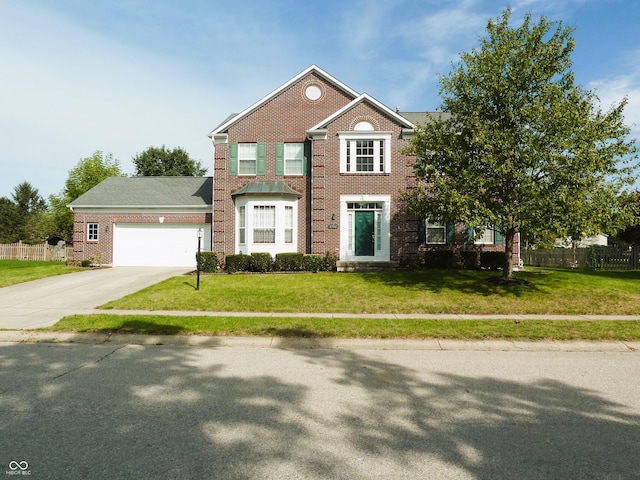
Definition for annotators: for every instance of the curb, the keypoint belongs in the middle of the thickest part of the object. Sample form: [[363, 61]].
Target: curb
[[26, 336]]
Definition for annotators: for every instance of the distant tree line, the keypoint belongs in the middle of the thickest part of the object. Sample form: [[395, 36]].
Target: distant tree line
[[26, 216]]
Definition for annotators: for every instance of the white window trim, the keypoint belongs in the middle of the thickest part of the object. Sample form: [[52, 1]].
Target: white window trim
[[288, 159], [91, 235], [280, 245], [490, 229], [434, 225], [242, 158], [365, 135]]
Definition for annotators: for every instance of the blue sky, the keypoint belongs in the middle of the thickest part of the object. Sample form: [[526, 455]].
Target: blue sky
[[119, 76]]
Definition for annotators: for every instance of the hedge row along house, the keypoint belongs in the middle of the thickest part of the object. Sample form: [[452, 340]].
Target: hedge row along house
[[313, 167]]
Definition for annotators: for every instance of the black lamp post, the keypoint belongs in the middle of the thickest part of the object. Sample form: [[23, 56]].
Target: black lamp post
[[198, 260]]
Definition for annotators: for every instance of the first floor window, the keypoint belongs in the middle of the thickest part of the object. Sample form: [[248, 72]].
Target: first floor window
[[491, 235], [264, 224], [288, 224], [436, 232], [242, 225], [92, 232]]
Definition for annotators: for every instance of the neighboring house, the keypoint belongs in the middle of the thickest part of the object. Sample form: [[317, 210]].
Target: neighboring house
[[313, 167], [593, 241]]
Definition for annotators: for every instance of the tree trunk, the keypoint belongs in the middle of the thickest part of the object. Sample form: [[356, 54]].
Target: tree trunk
[[509, 237]]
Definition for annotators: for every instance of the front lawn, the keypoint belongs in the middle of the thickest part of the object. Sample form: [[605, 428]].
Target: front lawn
[[354, 327], [19, 271], [553, 291]]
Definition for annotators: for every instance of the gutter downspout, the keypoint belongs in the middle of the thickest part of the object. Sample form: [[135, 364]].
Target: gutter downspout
[[310, 166]]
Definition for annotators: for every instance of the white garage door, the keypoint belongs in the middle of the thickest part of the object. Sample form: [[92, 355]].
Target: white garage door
[[157, 245]]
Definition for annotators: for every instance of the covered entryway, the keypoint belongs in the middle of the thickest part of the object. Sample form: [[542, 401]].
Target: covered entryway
[[158, 245], [365, 228]]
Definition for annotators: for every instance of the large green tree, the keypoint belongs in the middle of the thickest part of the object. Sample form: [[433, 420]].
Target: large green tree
[[89, 172], [161, 162], [524, 149]]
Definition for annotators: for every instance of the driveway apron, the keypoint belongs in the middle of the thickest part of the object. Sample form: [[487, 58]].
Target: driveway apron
[[43, 302]]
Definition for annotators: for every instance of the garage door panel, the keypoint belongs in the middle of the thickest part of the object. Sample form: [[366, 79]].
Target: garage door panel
[[156, 245]]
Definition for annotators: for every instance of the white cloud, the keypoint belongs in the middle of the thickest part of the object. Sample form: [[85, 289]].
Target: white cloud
[[69, 89], [611, 90]]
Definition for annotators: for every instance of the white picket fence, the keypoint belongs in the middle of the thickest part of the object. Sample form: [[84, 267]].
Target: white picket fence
[[43, 251]]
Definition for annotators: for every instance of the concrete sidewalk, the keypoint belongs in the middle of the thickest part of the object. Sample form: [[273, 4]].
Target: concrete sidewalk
[[204, 341]]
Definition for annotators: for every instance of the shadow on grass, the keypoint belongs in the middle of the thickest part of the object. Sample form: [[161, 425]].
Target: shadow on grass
[[143, 327], [471, 282]]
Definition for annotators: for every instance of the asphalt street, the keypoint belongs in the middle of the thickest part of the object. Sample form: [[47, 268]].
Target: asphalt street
[[117, 410], [76, 406]]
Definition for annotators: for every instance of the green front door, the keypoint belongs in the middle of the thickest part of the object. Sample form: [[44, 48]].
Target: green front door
[[364, 228]]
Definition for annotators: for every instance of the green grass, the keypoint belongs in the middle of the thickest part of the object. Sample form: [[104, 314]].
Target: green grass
[[354, 328], [19, 271], [428, 291], [425, 291]]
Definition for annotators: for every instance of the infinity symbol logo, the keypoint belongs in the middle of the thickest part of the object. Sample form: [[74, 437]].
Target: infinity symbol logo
[[13, 465]]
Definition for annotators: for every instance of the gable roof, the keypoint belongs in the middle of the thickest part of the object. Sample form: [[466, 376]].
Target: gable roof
[[422, 117], [312, 69], [190, 192], [361, 99]]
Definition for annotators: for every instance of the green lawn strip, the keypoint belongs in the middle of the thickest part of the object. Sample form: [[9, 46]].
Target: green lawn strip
[[19, 271], [353, 327], [423, 291]]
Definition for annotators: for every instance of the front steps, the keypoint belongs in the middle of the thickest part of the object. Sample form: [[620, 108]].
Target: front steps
[[354, 266]]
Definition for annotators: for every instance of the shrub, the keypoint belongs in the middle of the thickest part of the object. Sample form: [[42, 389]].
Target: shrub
[[311, 262], [237, 263], [288, 262], [329, 262], [208, 261], [470, 259], [261, 262], [492, 260], [85, 263], [441, 259]]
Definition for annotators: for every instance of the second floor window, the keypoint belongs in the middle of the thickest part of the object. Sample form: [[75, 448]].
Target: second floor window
[[293, 158], [247, 158], [363, 153]]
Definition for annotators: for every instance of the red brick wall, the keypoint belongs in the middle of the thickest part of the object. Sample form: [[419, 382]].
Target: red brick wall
[[329, 183], [285, 118], [102, 250]]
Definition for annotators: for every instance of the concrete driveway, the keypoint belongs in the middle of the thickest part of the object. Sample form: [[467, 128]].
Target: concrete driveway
[[43, 302]]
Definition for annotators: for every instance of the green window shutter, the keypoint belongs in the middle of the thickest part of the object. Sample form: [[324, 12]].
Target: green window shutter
[[422, 231], [262, 153], [279, 158], [451, 233], [470, 235], [233, 159], [306, 161], [497, 236]]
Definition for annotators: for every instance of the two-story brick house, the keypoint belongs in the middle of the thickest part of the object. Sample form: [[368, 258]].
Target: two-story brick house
[[313, 167]]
